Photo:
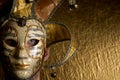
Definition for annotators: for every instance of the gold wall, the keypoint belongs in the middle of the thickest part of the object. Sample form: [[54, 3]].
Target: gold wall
[[97, 26]]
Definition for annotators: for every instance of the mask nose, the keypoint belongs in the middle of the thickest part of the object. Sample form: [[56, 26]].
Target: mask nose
[[21, 52]]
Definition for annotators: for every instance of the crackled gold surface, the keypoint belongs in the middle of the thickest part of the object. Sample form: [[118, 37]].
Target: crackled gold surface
[[97, 26], [22, 8]]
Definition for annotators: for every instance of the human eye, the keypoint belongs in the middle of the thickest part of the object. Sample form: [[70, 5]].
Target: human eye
[[11, 42], [32, 42]]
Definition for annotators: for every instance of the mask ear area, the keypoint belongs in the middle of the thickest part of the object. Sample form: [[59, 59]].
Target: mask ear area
[[56, 33], [46, 54]]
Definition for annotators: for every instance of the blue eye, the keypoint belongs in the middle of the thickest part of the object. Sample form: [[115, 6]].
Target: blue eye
[[11, 42], [32, 42]]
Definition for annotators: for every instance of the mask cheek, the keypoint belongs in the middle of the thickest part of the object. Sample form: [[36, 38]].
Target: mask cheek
[[37, 64], [36, 51]]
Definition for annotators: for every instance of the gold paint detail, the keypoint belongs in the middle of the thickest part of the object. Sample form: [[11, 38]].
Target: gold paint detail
[[22, 8], [57, 33], [72, 50], [22, 66]]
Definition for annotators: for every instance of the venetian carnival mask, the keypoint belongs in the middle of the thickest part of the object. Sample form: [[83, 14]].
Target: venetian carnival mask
[[25, 35]]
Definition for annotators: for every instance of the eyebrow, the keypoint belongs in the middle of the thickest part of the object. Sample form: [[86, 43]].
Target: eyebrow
[[35, 35], [10, 34]]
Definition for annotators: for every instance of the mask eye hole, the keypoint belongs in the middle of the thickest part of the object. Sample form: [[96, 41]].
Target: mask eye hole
[[32, 42], [11, 42]]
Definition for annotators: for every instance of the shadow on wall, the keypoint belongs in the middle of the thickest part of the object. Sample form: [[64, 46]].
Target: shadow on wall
[[96, 24]]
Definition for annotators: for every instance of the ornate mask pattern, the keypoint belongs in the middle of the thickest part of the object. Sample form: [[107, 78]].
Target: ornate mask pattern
[[25, 35], [23, 46]]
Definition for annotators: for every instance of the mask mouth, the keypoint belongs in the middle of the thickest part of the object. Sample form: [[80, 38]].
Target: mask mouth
[[22, 66]]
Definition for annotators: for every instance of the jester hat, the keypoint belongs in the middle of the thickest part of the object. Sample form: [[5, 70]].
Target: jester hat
[[41, 10]]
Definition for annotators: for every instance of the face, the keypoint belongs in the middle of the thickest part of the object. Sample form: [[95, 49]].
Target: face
[[23, 47]]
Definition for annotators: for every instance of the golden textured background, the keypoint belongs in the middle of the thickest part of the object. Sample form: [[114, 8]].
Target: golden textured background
[[97, 26], [96, 23]]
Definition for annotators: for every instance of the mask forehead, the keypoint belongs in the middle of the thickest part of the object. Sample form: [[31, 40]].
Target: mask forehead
[[20, 31]]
